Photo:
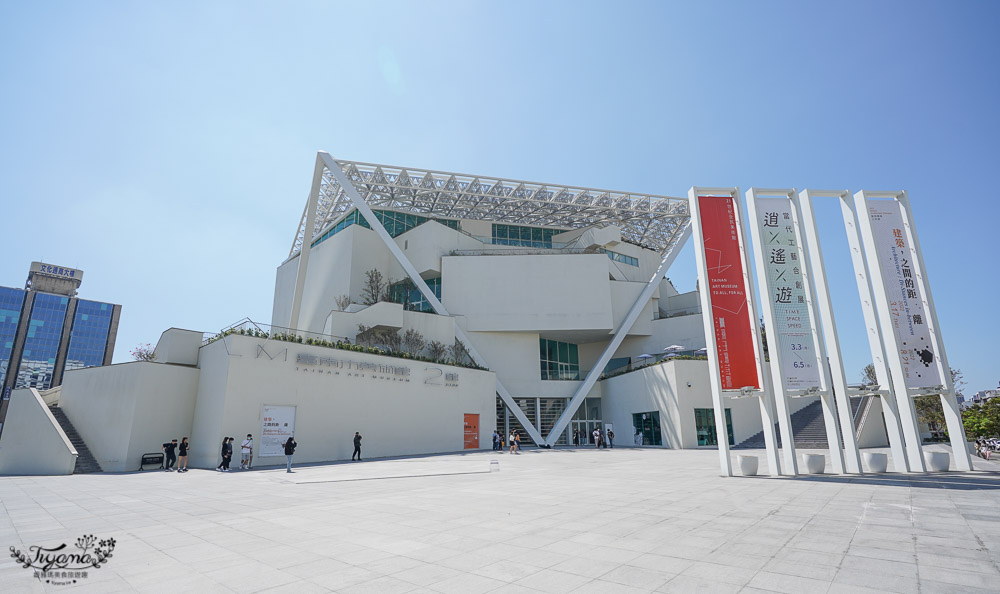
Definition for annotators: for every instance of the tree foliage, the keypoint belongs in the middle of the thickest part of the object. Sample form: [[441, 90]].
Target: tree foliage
[[982, 420], [375, 289], [929, 408], [343, 301], [459, 353], [436, 350], [143, 352], [413, 342]]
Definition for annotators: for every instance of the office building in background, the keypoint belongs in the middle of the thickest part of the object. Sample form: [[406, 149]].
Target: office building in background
[[45, 329]]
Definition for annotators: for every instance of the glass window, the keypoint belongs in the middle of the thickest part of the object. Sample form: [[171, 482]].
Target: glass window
[[41, 346], [704, 421], [647, 428], [557, 361], [89, 336], [11, 301]]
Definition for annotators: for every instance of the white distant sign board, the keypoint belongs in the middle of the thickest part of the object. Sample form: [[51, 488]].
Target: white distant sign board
[[277, 425], [904, 291], [787, 295]]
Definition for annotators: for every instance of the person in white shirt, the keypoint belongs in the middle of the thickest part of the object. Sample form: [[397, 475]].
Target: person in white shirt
[[246, 451]]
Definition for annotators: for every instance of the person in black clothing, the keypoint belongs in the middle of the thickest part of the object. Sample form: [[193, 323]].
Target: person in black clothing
[[289, 451], [611, 438], [357, 447], [169, 449], [182, 455], [227, 455]]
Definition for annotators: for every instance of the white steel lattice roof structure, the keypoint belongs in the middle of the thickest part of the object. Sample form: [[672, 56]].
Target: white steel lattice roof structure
[[652, 221]]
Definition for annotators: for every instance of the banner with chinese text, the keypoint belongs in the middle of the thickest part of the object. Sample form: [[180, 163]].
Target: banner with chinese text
[[731, 319], [905, 295], [787, 295], [471, 432], [277, 425]]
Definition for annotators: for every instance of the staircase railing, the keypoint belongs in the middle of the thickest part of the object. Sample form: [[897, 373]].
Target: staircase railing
[[861, 416]]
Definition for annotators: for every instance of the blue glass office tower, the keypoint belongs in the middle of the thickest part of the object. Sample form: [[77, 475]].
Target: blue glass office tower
[[45, 329]]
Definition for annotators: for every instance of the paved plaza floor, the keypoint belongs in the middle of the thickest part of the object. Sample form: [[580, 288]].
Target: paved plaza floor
[[576, 520]]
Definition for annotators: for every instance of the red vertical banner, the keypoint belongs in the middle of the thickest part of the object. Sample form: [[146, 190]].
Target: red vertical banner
[[471, 432], [734, 339]]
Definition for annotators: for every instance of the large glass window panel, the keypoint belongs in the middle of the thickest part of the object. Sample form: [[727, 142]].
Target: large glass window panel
[[89, 336], [41, 346], [11, 301]]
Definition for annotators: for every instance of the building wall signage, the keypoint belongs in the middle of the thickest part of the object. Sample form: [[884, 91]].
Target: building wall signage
[[906, 301], [471, 431], [309, 363], [731, 317], [56, 270], [277, 425], [788, 294]]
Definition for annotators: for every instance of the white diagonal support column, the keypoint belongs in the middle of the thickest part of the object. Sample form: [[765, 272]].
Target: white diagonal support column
[[904, 404], [616, 340], [875, 342], [309, 222], [949, 402], [763, 393], [411, 272], [821, 296]]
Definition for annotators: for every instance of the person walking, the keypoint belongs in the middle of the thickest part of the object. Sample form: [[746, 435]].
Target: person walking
[[611, 438], [246, 451], [510, 440], [357, 447], [290, 451], [597, 438], [170, 450], [517, 443], [182, 456], [225, 454]]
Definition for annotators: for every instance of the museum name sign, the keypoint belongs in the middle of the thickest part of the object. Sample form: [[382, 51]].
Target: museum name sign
[[309, 363]]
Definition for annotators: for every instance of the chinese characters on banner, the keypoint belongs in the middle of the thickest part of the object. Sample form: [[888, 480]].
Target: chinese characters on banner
[[471, 432], [731, 319], [787, 294], [906, 301], [277, 425]]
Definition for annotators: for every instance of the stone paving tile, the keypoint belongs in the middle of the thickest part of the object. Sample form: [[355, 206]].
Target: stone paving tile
[[666, 523], [686, 584]]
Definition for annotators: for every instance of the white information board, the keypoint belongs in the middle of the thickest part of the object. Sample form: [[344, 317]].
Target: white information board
[[277, 425], [791, 338], [906, 301]]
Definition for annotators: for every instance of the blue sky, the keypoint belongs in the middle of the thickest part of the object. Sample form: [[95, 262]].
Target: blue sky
[[166, 148]]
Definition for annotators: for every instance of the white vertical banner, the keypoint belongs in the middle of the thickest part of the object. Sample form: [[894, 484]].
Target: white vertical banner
[[277, 424], [914, 348], [731, 333], [897, 263], [787, 293], [793, 344]]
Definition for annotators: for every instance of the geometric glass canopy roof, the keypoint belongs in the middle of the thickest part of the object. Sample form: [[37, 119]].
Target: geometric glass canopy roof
[[655, 222]]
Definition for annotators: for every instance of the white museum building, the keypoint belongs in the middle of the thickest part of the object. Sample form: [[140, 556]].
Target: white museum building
[[425, 309]]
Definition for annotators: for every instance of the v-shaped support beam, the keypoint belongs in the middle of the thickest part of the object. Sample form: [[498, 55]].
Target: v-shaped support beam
[[620, 333], [324, 159]]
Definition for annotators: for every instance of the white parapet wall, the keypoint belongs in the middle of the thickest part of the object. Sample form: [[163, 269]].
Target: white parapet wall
[[675, 389], [400, 406], [126, 410], [32, 442]]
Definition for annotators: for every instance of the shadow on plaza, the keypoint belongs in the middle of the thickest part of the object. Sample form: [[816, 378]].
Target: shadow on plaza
[[963, 481]]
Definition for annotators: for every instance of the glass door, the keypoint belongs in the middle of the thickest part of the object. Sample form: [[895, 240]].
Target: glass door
[[704, 422]]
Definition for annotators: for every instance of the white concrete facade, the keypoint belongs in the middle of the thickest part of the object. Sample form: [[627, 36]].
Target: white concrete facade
[[572, 286], [401, 407]]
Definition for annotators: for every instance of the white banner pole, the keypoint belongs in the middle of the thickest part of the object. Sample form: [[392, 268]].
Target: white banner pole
[[712, 344], [875, 341], [949, 402], [824, 305], [907, 411]]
